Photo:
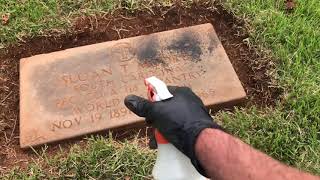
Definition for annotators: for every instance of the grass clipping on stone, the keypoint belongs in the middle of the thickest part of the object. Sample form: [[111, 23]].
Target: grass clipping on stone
[[101, 158]]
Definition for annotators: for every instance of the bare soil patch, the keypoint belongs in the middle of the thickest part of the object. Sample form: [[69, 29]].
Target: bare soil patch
[[250, 67]]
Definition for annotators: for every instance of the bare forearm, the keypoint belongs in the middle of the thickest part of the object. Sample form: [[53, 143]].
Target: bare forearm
[[226, 157]]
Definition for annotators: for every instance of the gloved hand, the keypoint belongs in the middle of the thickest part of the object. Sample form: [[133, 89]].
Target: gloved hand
[[179, 119]]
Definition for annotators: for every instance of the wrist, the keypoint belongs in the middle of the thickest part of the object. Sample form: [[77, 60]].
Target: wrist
[[204, 135], [200, 144]]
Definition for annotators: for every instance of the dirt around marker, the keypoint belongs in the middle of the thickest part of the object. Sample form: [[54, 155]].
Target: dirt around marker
[[81, 90]]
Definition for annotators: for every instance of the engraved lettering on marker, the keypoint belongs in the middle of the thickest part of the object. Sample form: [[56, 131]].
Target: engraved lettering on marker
[[192, 75], [131, 89], [83, 77], [124, 50], [89, 107], [56, 125], [95, 75], [127, 78], [64, 102], [107, 70], [113, 92], [65, 124], [76, 110], [68, 79], [84, 87], [205, 93], [97, 106], [124, 67], [77, 120], [95, 117], [119, 112]]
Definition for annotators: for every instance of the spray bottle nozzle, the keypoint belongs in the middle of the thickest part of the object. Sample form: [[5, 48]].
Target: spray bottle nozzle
[[157, 89]]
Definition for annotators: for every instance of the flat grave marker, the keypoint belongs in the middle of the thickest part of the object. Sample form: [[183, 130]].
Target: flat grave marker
[[78, 91]]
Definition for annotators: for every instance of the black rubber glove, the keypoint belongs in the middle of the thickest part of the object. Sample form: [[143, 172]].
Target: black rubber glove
[[179, 119]]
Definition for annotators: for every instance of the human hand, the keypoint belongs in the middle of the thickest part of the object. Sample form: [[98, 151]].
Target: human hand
[[179, 119]]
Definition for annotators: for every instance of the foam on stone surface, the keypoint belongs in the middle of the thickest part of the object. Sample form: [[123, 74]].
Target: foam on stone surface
[[81, 90]]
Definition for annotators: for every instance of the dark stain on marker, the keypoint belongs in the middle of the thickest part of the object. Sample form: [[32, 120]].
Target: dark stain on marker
[[187, 44], [213, 42], [148, 52]]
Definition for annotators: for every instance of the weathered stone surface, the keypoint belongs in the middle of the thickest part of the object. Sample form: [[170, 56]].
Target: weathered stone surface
[[81, 90]]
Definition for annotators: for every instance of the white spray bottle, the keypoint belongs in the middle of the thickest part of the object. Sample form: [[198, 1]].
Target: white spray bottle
[[171, 164]]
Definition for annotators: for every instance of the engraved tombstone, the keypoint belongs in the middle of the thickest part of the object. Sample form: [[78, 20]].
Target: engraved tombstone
[[81, 90]]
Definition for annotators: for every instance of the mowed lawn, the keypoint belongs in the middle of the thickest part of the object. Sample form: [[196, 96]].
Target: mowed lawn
[[289, 131]]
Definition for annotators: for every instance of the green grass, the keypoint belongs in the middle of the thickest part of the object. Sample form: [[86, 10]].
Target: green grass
[[102, 159], [41, 17], [288, 132], [47, 17]]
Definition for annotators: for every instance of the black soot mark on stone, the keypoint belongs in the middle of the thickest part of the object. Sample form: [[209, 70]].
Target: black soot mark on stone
[[213, 41], [148, 51], [187, 44]]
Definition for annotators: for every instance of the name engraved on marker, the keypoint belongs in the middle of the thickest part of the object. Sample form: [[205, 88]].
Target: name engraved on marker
[[97, 95]]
